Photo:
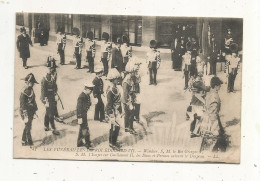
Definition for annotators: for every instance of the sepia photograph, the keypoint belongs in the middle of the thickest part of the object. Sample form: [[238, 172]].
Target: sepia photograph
[[127, 87]]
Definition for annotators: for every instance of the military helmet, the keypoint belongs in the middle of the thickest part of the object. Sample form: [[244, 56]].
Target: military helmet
[[113, 74], [124, 39], [76, 31], [89, 83], [30, 78], [98, 69], [153, 44], [105, 36], [90, 35]]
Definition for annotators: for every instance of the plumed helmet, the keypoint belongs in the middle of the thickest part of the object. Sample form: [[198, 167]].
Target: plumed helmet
[[153, 44], [130, 67], [89, 83], [215, 81], [113, 74], [124, 39], [90, 35], [30, 78], [233, 48], [105, 36]]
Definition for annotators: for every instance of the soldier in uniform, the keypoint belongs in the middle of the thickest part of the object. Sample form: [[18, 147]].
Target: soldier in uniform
[[113, 107], [61, 44], [78, 44], [213, 56], [228, 40], [98, 91], [49, 98], [28, 108], [83, 105], [232, 65], [126, 51], [186, 64], [129, 95], [22, 43], [153, 61], [174, 52], [105, 51], [117, 57], [90, 50]]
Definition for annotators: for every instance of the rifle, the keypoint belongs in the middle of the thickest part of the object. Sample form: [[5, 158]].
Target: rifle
[[60, 101]]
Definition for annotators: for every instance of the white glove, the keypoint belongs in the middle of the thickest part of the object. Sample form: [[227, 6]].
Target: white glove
[[56, 98], [80, 121], [25, 120]]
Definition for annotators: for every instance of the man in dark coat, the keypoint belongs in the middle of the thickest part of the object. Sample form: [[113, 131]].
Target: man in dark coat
[[22, 43], [117, 58], [28, 108], [83, 105]]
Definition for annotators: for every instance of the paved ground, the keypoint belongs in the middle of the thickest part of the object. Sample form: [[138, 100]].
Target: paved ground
[[163, 108]]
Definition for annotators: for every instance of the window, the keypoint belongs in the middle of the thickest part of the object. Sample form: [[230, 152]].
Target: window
[[19, 19], [91, 23]]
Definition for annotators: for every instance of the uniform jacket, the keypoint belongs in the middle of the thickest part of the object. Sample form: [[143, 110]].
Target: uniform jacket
[[113, 101], [117, 59], [23, 45], [232, 63], [186, 60], [48, 88], [130, 88], [153, 58], [105, 49], [99, 86], [27, 101], [61, 42], [90, 48], [78, 44], [213, 104], [83, 105]]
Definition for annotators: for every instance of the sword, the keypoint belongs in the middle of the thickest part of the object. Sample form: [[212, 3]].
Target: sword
[[60, 101]]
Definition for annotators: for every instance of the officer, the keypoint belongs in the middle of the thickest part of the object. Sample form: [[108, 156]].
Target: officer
[[49, 98], [213, 56], [28, 108], [126, 50], [113, 107], [232, 65], [129, 95], [61, 44], [186, 64], [117, 57], [105, 51], [78, 44], [98, 92], [174, 53], [83, 105], [90, 50], [153, 61], [22, 43]]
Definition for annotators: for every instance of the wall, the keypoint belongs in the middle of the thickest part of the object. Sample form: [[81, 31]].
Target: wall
[[148, 30]]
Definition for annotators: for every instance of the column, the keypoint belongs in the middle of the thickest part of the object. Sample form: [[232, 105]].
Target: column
[[148, 30], [106, 25]]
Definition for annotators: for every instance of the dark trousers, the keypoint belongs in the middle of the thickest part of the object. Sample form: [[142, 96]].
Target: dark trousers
[[186, 77], [62, 56], [105, 64], [113, 134], [231, 80], [78, 60], [83, 134], [99, 109], [91, 64], [125, 61], [153, 73], [24, 62], [213, 68], [129, 117], [193, 70], [137, 111], [49, 116], [27, 138]]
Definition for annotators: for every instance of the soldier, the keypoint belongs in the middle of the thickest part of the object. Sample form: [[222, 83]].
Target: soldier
[[22, 43], [228, 39], [174, 52], [105, 51], [83, 105], [117, 57], [78, 44], [232, 65], [186, 65], [126, 51], [61, 44], [113, 107], [129, 95], [42, 38], [28, 108], [49, 98], [90, 50], [213, 56], [98, 91], [153, 61]]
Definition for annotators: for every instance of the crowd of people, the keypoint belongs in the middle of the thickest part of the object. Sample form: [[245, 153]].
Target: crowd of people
[[121, 69]]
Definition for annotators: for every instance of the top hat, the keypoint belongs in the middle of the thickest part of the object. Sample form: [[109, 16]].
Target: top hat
[[22, 29]]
